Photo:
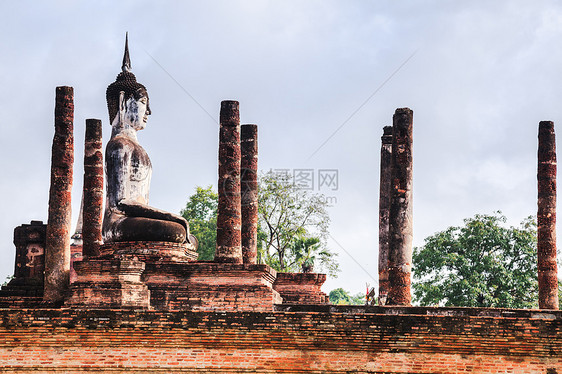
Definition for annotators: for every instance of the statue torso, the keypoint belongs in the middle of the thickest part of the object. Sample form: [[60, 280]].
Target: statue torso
[[128, 170]]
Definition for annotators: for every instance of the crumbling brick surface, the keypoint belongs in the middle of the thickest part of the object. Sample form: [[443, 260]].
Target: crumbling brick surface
[[249, 192], [57, 248], [29, 267], [291, 342], [401, 210], [93, 188], [229, 215], [384, 211], [546, 217]]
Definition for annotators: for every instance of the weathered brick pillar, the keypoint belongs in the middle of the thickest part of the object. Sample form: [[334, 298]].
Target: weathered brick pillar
[[546, 217], [93, 189], [384, 211], [249, 192], [57, 247], [229, 248], [400, 215]]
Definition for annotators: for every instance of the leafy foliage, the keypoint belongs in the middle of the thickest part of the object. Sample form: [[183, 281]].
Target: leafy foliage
[[481, 264], [293, 226], [339, 296], [201, 213]]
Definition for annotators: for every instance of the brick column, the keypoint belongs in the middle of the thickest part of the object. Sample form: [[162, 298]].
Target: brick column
[[93, 189], [229, 239], [546, 217], [384, 211], [400, 215], [249, 192], [57, 247]]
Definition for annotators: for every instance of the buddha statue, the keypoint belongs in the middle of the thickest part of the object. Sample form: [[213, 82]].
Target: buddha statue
[[128, 217]]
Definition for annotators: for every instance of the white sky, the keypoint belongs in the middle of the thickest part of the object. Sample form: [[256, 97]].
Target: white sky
[[482, 75]]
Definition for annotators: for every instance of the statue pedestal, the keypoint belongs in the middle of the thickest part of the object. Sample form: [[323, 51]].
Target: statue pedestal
[[301, 288], [151, 251]]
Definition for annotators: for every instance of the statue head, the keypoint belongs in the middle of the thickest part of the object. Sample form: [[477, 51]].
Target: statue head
[[127, 97]]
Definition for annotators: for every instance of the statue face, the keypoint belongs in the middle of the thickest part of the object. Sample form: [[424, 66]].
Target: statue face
[[137, 112]]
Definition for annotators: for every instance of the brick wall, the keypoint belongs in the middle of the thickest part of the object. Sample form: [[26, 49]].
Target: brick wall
[[329, 339]]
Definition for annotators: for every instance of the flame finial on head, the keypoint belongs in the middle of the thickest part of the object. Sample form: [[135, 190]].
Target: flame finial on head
[[126, 59]]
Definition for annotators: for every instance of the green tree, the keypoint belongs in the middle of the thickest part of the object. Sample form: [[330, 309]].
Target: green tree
[[481, 264], [339, 296], [293, 226], [201, 213]]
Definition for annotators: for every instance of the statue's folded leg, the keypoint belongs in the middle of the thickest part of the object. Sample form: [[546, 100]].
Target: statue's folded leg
[[149, 229]]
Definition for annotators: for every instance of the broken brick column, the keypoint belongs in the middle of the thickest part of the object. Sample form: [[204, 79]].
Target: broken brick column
[[384, 211], [400, 214], [546, 217], [249, 192], [57, 246], [229, 248], [93, 189]]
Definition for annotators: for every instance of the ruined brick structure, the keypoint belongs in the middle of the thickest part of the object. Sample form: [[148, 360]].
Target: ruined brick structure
[[384, 211], [145, 306], [546, 217], [57, 247], [229, 219], [93, 189], [400, 212], [249, 192], [29, 267]]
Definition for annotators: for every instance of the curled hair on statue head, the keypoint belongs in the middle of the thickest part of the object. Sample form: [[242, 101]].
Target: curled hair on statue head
[[125, 82]]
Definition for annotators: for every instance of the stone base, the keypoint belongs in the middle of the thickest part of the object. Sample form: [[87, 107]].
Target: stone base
[[109, 283], [301, 288], [211, 286], [151, 251]]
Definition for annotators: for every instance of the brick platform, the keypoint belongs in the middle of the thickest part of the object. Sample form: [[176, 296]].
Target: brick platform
[[211, 286], [159, 275], [328, 340]]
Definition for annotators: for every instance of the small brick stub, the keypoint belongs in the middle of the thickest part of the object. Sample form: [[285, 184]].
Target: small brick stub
[[29, 267], [301, 288]]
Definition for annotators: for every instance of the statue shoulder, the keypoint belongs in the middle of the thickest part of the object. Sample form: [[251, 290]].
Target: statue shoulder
[[122, 149], [121, 142]]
